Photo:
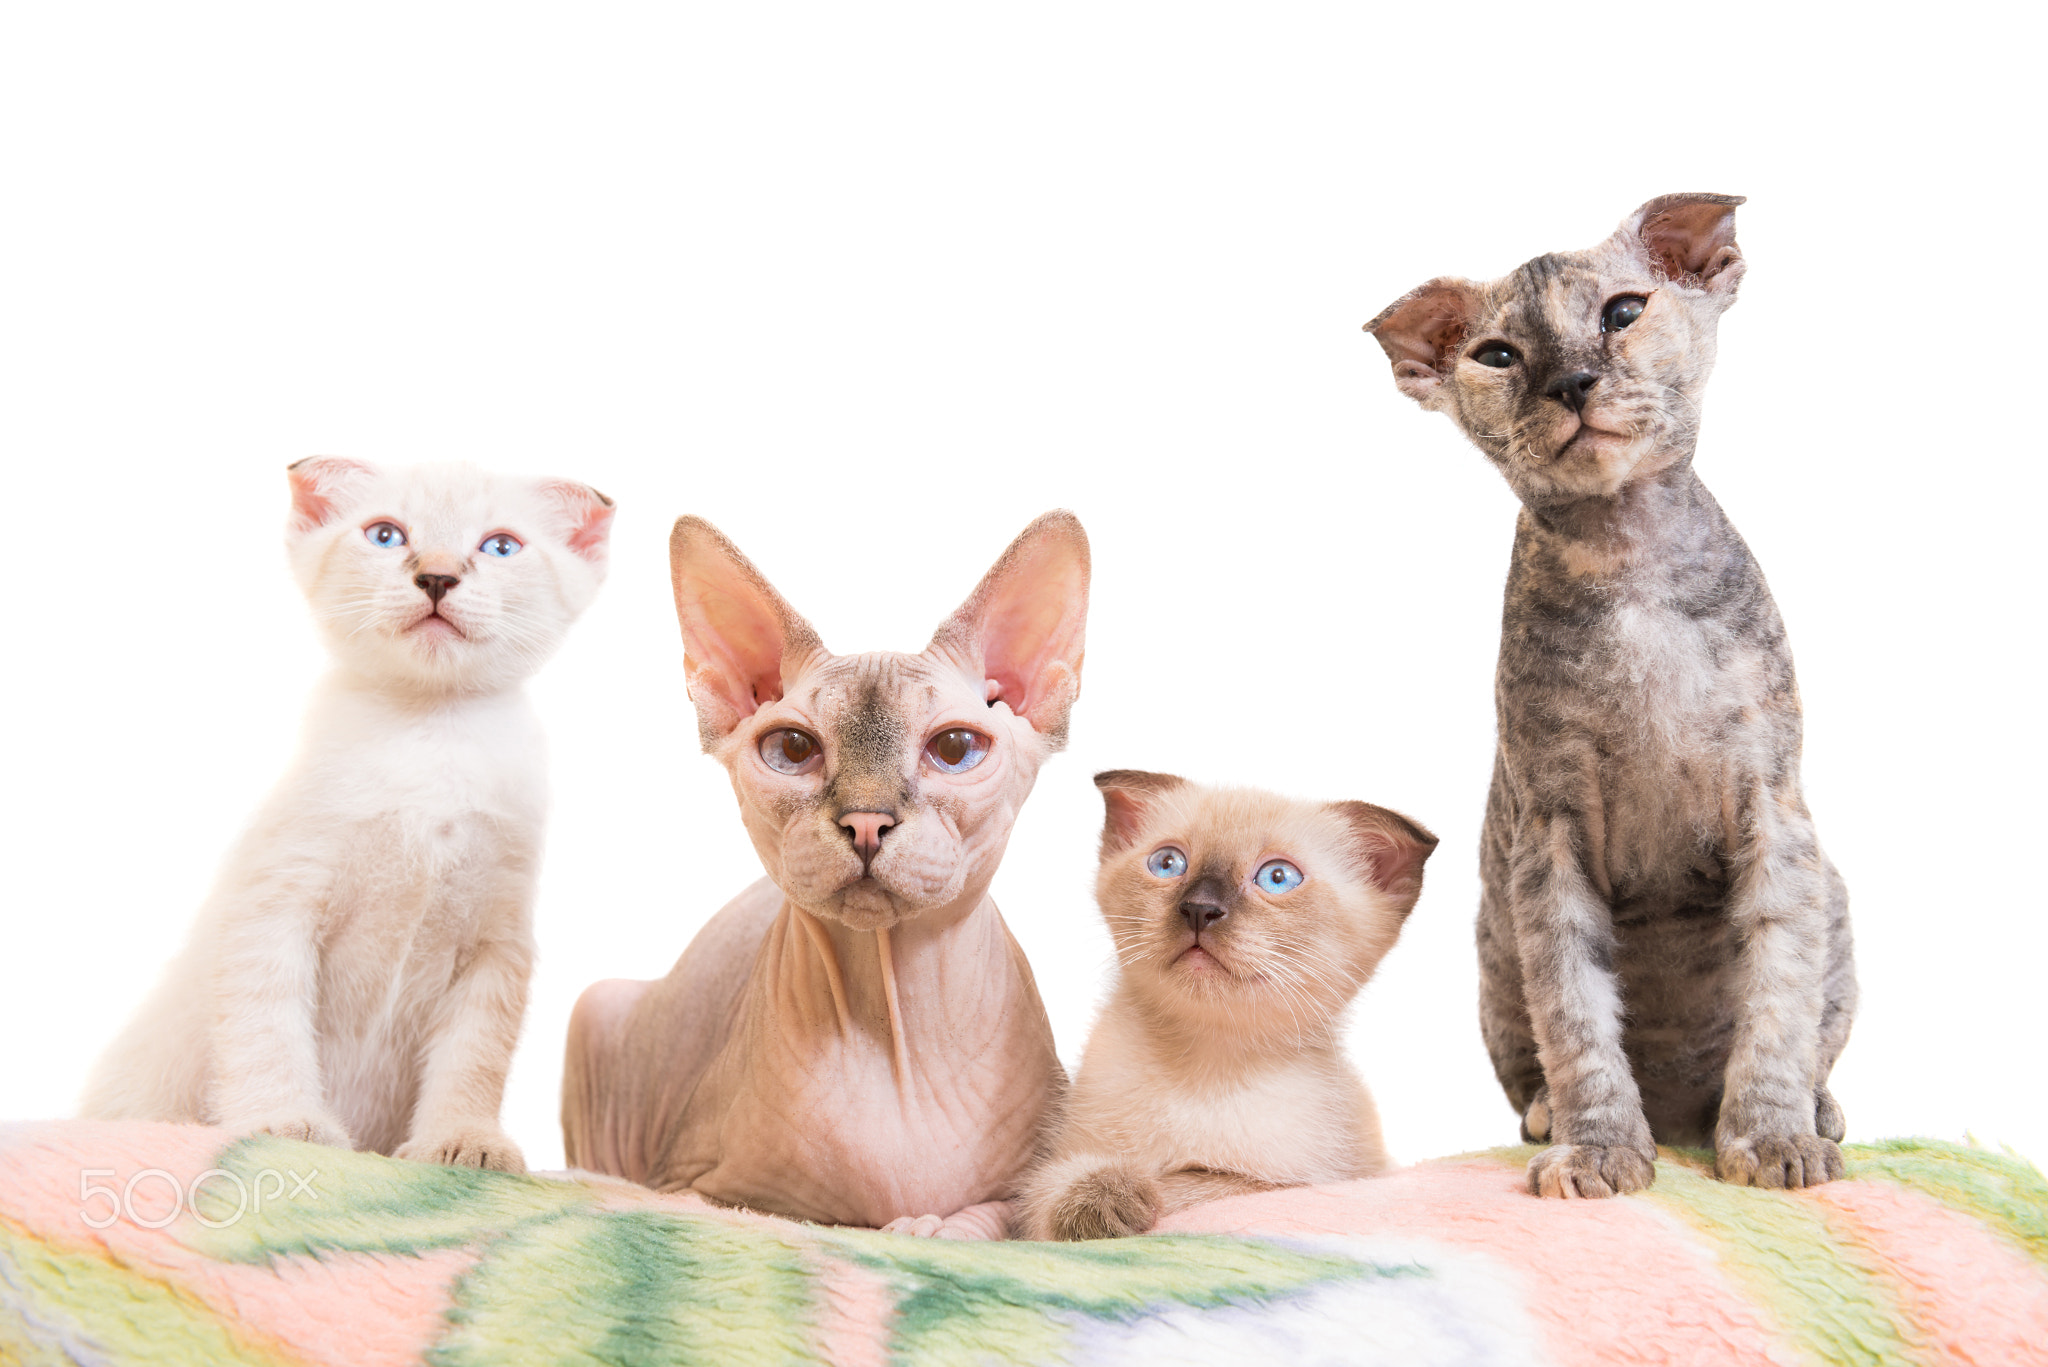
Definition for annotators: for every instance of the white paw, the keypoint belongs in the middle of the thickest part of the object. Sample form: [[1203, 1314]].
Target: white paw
[[465, 1146], [310, 1127], [916, 1226]]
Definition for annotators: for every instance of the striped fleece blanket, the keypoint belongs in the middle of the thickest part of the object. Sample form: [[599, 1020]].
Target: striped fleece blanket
[[171, 1244]]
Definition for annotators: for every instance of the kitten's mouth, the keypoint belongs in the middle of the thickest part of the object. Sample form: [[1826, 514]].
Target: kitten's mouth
[[433, 624], [1199, 960], [1585, 438]]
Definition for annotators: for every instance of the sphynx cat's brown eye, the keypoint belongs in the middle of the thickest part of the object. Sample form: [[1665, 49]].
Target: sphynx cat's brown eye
[[1499, 355], [1619, 313], [957, 750], [789, 751]]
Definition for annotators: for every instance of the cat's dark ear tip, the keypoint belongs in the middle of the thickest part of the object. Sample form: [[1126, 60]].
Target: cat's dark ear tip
[[1140, 779]]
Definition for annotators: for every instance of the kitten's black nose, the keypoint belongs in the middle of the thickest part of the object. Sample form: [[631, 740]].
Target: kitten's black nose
[[1201, 915], [435, 585], [1570, 390]]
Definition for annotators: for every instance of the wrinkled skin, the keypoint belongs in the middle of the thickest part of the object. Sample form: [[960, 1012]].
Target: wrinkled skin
[[1665, 952], [856, 1039]]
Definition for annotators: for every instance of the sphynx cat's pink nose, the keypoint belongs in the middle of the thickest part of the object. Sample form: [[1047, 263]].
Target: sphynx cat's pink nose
[[865, 829]]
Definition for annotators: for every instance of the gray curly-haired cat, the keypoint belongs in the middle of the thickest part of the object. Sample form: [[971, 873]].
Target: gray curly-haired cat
[[1664, 950]]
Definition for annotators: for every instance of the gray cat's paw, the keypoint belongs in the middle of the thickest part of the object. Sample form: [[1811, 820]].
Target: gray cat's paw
[[1536, 1120], [1589, 1170], [1827, 1115], [467, 1146], [1108, 1203], [1787, 1161]]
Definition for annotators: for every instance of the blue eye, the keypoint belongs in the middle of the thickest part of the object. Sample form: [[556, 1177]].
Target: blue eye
[[1278, 876], [1167, 863], [956, 751], [386, 534], [501, 544]]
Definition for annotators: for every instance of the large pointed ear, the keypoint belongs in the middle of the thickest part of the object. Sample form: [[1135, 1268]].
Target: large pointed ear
[[1390, 849], [1690, 239], [320, 484], [1021, 630], [1127, 795], [740, 640], [1422, 330], [586, 517]]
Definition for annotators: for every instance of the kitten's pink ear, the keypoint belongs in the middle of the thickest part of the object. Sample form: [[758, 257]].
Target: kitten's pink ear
[[587, 515], [1691, 239], [1390, 847], [740, 640], [1126, 798], [318, 485], [1021, 630], [1422, 330]]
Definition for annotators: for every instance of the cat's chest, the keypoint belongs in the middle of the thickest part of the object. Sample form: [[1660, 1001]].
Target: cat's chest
[[411, 900], [823, 1126], [1286, 1122]]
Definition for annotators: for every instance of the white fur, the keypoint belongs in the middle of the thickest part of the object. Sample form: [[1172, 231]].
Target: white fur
[[358, 975]]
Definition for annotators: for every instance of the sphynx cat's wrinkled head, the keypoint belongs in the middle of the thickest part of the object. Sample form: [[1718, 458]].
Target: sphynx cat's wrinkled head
[[881, 787], [1578, 373]]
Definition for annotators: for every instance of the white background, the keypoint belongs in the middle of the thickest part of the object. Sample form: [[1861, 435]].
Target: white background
[[870, 287]]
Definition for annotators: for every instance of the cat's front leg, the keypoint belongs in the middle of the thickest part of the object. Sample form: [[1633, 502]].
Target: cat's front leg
[[1600, 1142], [264, 1049], [463, 1082], [1767, 1134], [1089, 1196]]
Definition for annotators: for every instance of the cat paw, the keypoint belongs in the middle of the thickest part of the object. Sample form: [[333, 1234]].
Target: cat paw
[[1536, 1120], [468, 1146], [1778, 1161], [308, 1127], [1827, 1115], [1108, 1203], [1589, 1170], [989, 1220]]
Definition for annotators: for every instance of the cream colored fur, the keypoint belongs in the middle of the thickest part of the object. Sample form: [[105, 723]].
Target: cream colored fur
[[1217, 1064], [359, 973]]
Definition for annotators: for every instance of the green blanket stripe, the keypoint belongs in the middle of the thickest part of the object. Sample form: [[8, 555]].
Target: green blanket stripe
[[961, 1302], [364, 1203], [1828, 1297], [44, 1295], [558, 1271], [632, 1288], [2003, 1190]]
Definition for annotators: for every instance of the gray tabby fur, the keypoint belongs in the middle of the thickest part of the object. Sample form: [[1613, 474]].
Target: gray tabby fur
[[1664, 949]]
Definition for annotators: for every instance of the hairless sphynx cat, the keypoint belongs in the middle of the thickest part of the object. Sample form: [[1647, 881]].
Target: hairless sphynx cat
[[855, 1039]]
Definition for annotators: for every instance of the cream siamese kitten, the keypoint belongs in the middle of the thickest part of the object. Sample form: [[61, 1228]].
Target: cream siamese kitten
[[1244, 925], [358, 975]]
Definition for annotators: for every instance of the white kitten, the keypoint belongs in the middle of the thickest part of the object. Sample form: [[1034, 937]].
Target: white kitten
[[359, 973]]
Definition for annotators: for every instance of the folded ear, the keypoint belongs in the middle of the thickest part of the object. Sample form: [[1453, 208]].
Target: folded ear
[[319, 485], [1690, 239], [1390, 848], [740, 640], [1127, 795], [1422, 330], [586, 516], [1021, 630]]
